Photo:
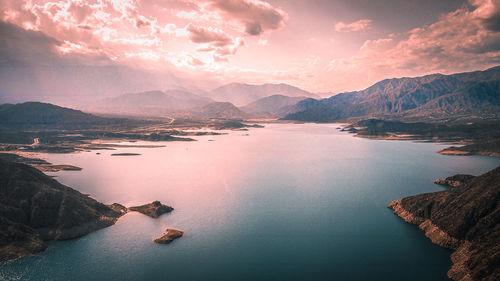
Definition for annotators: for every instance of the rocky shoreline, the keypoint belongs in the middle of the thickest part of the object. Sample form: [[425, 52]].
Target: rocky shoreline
[[476, 138], [489, 148], [169, 235], [464, 218], [35, 208]]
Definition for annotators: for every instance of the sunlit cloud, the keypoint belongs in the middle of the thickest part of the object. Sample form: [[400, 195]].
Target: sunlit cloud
[[248, 40], [255, 16], [353, 26], [459, 41]]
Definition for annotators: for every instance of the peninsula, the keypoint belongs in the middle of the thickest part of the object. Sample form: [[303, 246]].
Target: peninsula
[[464, 218], [35, 208]]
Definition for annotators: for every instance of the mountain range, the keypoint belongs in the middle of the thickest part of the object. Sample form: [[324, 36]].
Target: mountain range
[[241, 94], [432, 97], [436, 97], [275, 105], [259, 100], [151, 103], [219, 110]]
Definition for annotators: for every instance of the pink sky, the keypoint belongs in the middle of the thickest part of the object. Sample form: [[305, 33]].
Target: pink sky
[[318, 45]]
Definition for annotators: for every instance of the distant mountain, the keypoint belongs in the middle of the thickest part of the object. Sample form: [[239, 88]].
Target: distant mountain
[[44, 74], [241, 94], [275, 105], [220, 110], [431, 97], [152, 103], [36, 115]]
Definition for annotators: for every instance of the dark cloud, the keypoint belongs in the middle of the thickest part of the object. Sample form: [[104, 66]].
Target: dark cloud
[[493, 22], [485, 45], [257, 16], [80, 11], [140, 23], [19, 46], [199, 34], [253, 28], [31, 68], [28, 47]]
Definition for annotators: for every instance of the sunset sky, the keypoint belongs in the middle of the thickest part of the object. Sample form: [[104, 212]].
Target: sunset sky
[[318, 45]]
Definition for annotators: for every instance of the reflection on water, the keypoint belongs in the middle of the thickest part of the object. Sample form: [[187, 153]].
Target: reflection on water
[[287, 202]]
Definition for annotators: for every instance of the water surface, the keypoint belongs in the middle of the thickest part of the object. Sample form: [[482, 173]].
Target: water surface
[[286, 202]]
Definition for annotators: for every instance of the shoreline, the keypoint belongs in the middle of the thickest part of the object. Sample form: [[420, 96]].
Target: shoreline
[[462, 218], [461, 253]]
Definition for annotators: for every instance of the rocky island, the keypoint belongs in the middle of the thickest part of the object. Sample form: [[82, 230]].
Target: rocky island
[[465, 218], [169, 235], [35, 208], [154, 209]]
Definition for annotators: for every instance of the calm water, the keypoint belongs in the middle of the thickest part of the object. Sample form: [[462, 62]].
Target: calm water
[[287, 202]]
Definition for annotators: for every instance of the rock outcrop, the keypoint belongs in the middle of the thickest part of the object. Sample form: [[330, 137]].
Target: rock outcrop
[[482, 147], [169, 235], [465, 218], [34, 207], [455, 180], [154, 209]]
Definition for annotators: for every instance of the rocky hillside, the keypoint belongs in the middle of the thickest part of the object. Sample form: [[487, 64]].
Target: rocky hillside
[[431, 97], [35, 207], [275, 105], [37, 116], [465, 218], [219, 110]]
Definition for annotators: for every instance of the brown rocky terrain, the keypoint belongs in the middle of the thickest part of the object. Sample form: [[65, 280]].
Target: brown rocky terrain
[[465, 218], [154, 209], [490, 148], [455, 180], [34, 208], [169, 235]]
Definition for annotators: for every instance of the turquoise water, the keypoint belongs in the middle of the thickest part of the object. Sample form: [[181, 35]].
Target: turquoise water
[[287, 202]]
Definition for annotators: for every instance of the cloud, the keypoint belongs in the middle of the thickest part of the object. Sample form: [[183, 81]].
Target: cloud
[[28, 47], [359, 25], [19, 46], [183, 5], [106, 25], [489, 13], [215, 37], [255, 16], [213, 40], [462, 40], [33, 66]]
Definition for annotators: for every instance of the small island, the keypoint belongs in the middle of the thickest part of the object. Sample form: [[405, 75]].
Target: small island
[[125, 154], [154, 209], [169, 235]]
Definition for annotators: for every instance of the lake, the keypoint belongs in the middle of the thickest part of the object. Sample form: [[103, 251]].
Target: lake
[[285, 202]]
